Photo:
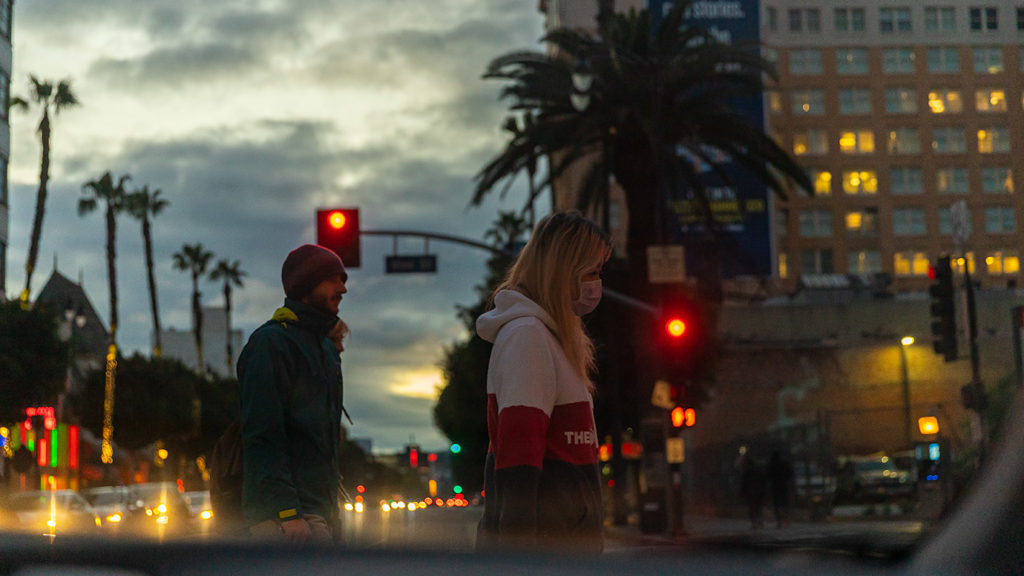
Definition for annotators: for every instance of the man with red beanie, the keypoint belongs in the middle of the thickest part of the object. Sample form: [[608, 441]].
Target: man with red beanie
[[290, 383]]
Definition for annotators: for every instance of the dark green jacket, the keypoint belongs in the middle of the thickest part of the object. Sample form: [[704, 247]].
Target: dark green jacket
[[290, 386]]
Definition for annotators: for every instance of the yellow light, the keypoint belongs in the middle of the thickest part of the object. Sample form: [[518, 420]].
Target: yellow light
[[385, 508], [349, 506], [206, 514], [907, 340], [162, 453], [359, 507], [114, 518], [149, 511], [51, 523], [162, 520], [928, 425], [162, 508], [806, 107], [885, 459], [336, 220], [4, 432]]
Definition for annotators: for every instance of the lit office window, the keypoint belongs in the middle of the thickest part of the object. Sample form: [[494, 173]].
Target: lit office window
[[951, 180], [990, 100], [911, 263], [893, 20], [852, 61], [949, 140], [904, 141], [945, 101], [908, 222], [958, 264], [854, 101], [900, 101], [815, 223], [993, 140], [983, 18], [898, 61], [810, 142], [946, 221], [862, 222], [805, 61], [822, 180], [865, 262], [774, 101], [1002, 262], [856, 141], [939, 19], [783, 265], [1000, 220], [811, 102], [860, 182], [997, 180], [817, 262], [987, 60], [849, 19], [906, 181]]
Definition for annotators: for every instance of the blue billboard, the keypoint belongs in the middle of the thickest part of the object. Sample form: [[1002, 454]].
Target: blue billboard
[[739, 203]]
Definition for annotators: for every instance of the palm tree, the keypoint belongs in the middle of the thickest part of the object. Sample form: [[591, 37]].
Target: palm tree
[[113, 195], [49, 99], [141, 205], [231, 273], [651, 96], [194, 259]]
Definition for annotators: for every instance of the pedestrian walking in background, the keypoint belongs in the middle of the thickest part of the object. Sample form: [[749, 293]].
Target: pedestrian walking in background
[[291, 403], [780, 474], [542, 481]]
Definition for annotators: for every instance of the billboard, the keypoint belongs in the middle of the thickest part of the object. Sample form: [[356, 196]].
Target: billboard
[[740, 203]]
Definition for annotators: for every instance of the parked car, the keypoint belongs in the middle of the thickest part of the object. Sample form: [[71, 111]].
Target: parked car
[[111, 503], [199, 505], [51, 512], [874, 478]]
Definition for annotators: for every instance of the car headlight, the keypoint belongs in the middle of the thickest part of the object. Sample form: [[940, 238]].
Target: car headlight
[[114, 518], [206, 514]]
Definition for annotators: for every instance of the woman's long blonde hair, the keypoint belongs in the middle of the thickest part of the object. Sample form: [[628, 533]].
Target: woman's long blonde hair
[[563, 247]]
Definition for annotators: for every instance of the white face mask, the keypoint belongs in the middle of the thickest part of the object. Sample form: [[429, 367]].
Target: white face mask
[[590, 296]]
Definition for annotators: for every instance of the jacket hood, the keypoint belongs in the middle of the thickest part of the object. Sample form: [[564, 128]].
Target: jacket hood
[[509, 305]]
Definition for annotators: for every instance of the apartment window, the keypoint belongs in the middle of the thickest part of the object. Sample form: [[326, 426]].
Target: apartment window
[[810, 142], [951, 180], [812, 16], [862, 222], [865, 262], [905, 180], [908, 222], [773, 19], [993, 140], [892, 20], [984, 18], [783, 265], [943, 60], [781, 222], [805, 61], [945, 101], [852, 61], [904, 141], [5, 17], [815, 223], [857, 142], [1020, 18], [1000, 220], [898, 61], [796, 20], [774, 101], [809, 102], [997, 180], [990, 100], [939, 19], [849, 19], [822, 180], [817, 261], [949, 140], [987, 60], [1002, 262], [856, 182], [911, 263], [946, 221], [900, 101], [854, 101]]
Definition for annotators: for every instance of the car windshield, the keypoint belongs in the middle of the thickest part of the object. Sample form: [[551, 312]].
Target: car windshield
[[576, 276]]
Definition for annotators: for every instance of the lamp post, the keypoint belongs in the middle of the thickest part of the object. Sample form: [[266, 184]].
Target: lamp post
[[905, 342]]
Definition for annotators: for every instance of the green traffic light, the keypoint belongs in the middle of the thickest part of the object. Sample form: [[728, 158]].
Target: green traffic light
[[457, 489], [456, 448]]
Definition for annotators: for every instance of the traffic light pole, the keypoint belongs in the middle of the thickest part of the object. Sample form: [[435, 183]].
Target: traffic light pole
[[978, 387], [607, 292]]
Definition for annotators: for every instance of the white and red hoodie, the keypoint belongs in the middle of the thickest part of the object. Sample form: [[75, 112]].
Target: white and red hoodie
[[542, 480]]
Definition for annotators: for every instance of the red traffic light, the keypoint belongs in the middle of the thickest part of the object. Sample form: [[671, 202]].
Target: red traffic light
[[337, 229], [683, 417], [675, 327]]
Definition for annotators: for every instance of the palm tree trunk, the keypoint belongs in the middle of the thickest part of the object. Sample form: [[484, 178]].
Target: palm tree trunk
[[227, 305], [37, 221], [197, 323], [147, 237], [112, 268]]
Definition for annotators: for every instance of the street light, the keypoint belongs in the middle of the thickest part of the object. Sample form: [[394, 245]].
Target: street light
[[582, 80]]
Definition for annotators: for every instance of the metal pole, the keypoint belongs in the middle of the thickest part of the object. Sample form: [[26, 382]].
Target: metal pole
[[906, 396], [976, 383]]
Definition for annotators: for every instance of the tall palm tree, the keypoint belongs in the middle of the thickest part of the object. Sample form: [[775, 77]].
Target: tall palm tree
[[142, 204], [231, 273], [652, 95], [52, 100], [113, 195], [194, 258]]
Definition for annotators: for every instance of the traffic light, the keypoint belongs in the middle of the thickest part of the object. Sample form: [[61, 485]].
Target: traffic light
[[337, 229], [683, 417], [943, 310]]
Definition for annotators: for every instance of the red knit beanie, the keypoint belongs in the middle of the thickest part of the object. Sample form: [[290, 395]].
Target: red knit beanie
[[306, 267]]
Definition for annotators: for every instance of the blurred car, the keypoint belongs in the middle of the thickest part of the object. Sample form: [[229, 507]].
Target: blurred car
[[51, 512], [199, 505], [875, 478], [110, 502], [158, 505]]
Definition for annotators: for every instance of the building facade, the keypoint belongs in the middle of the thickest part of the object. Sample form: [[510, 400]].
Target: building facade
[[181, 345], [6, 13]]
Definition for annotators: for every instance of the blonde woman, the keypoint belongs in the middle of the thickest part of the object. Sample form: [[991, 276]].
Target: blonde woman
[[542, 482]]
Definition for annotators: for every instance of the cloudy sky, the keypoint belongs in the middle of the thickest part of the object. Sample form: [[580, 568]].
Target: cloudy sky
[[250, 114]]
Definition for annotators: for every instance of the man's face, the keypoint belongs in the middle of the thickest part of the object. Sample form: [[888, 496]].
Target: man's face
[[327, 295]]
